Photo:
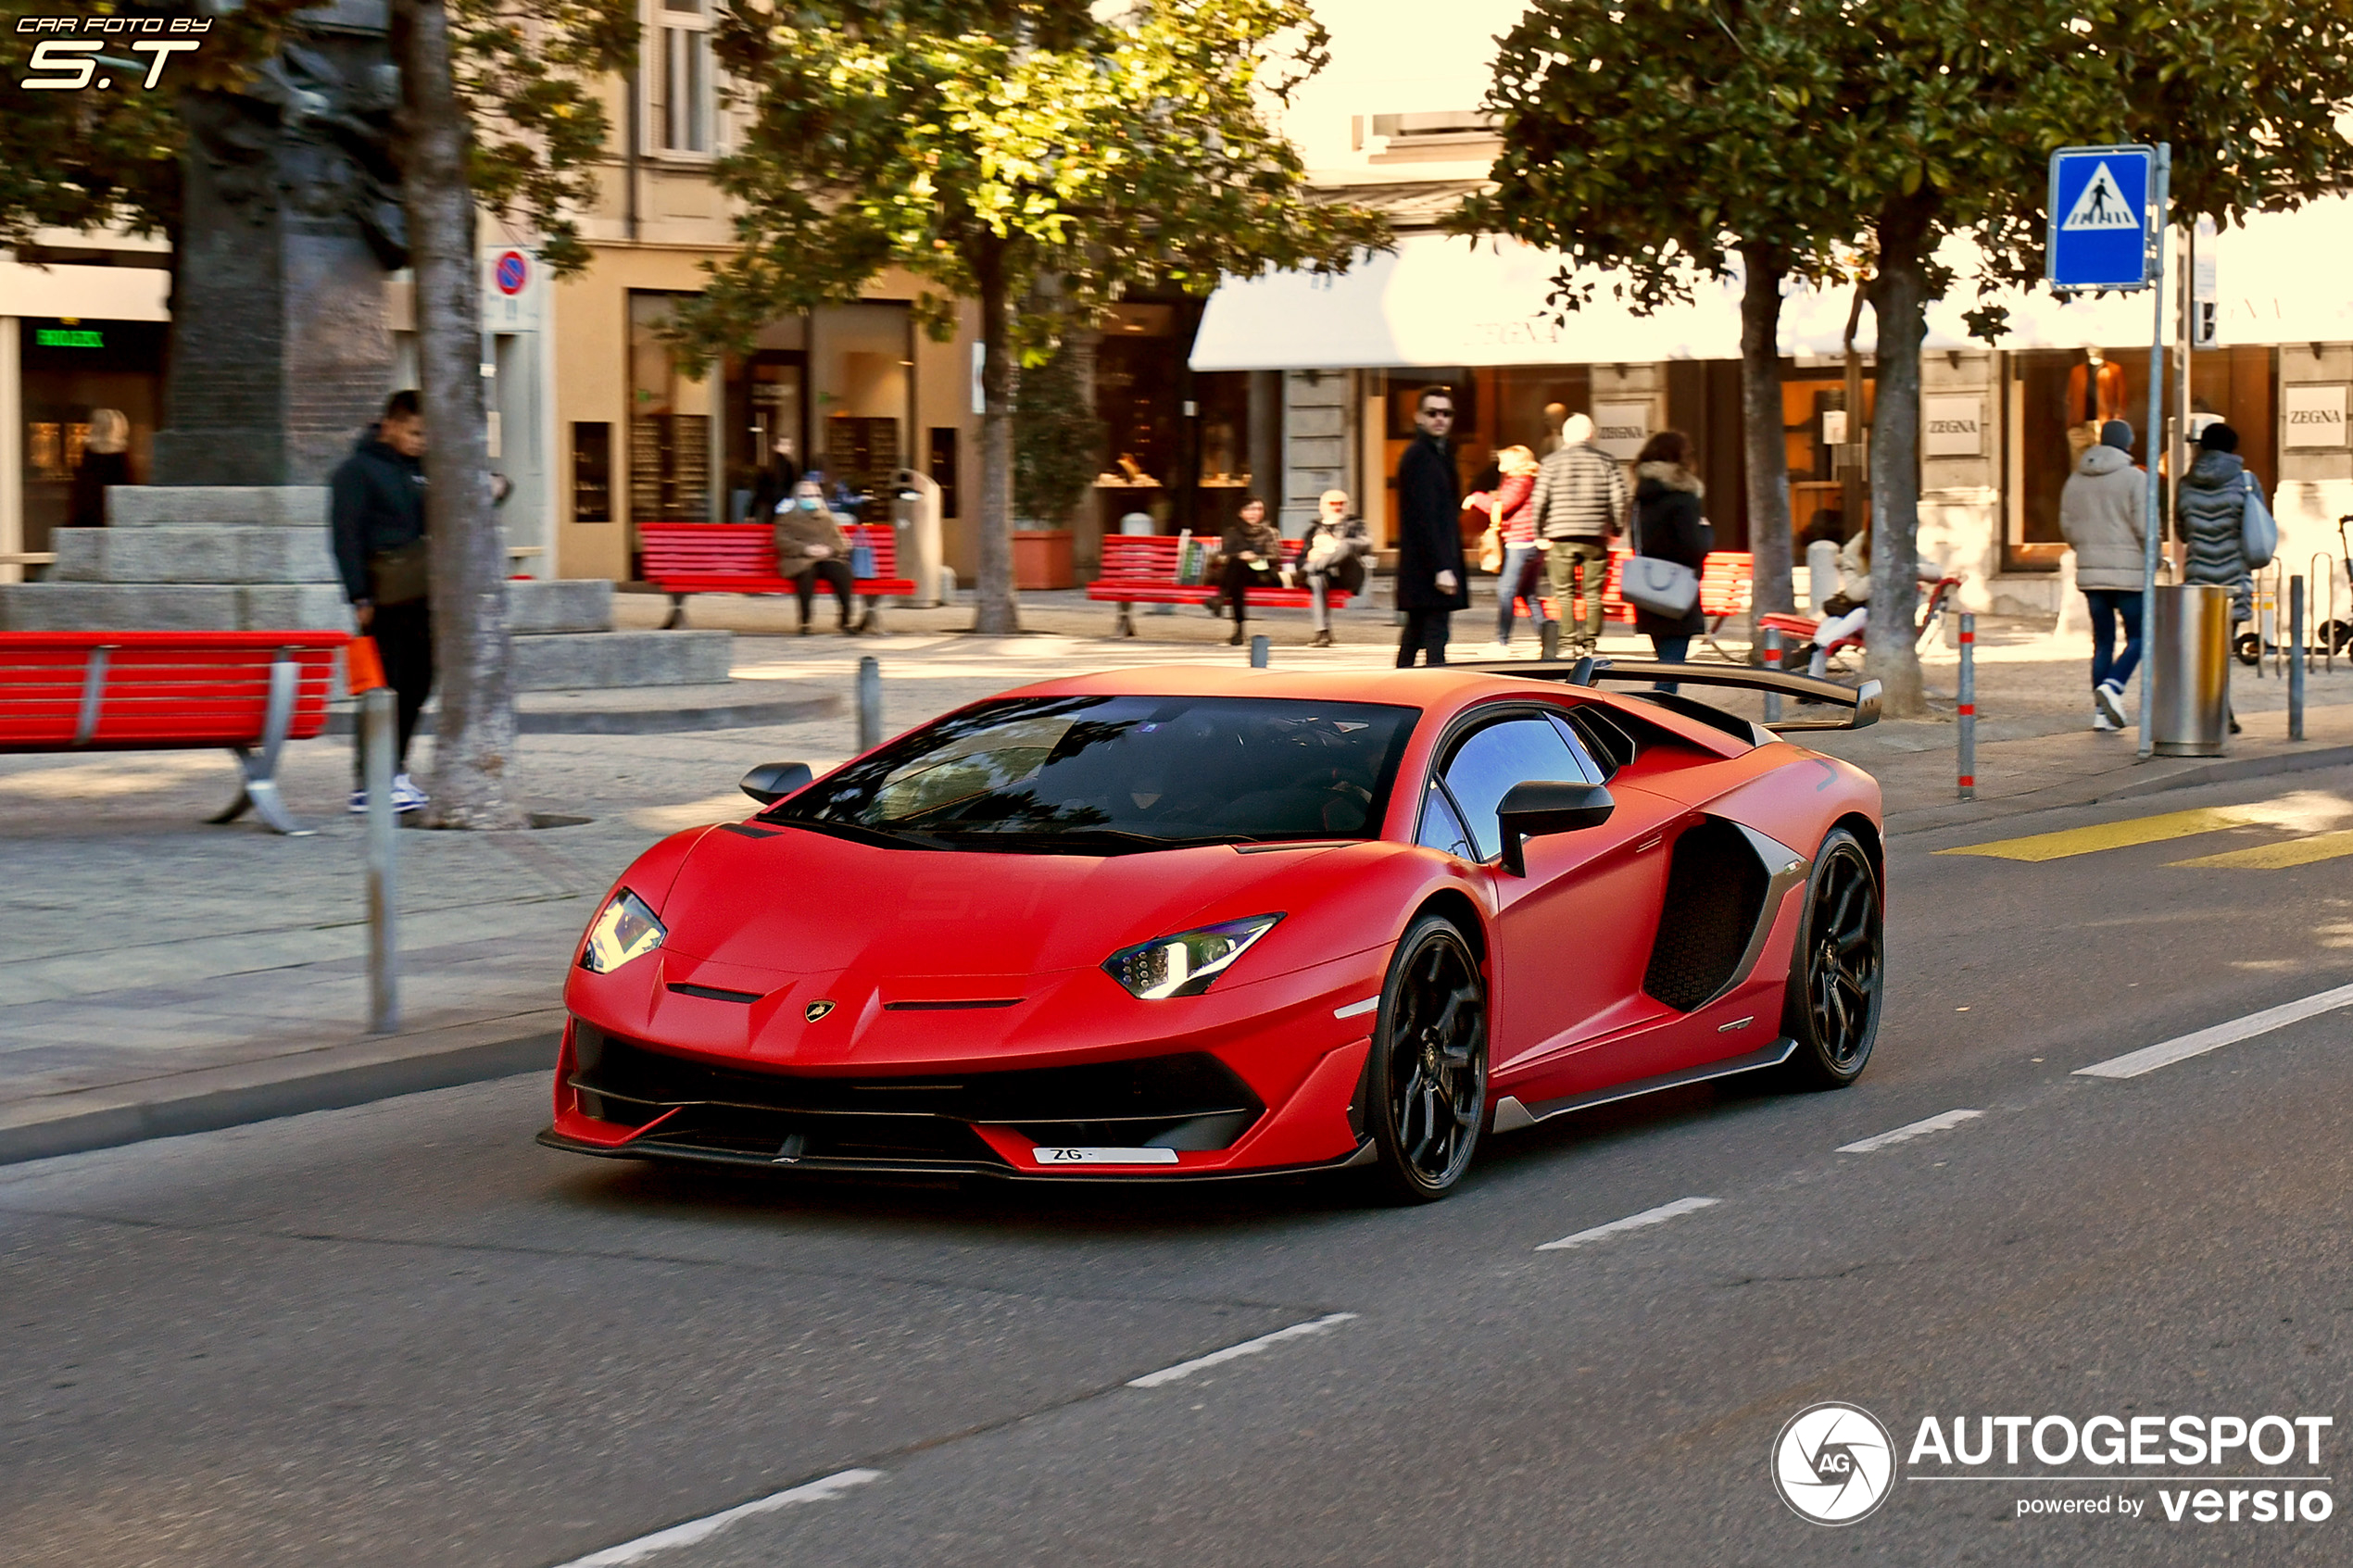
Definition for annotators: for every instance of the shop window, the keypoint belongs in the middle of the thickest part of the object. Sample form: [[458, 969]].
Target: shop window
[[862, 365], [943, 468], [592, 471], [683, 87], [71, 369], [669, 424]]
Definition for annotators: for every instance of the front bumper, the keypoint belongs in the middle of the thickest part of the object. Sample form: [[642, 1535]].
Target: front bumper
[[1174, 1115]]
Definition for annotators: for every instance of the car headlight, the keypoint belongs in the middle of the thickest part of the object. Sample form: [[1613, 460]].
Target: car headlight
[[1184, 964], [625, 929]]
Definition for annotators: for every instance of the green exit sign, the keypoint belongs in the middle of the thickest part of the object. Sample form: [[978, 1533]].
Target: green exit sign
[[68, 337]]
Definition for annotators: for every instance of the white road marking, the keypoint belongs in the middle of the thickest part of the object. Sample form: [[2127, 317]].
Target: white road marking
[[1657, 1216], [1183, 1370], [2132, 1064], [1909, 1131], [823, 1490], [1357, 1009]]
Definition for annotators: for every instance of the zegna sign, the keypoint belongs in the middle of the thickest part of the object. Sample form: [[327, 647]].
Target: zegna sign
[[2314, 415]]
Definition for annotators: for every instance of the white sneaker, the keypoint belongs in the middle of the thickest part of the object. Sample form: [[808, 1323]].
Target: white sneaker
[[2102, 722], [2108, 699], [406, 796], [359, 807]]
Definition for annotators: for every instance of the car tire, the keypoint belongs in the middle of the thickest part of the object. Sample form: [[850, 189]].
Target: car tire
[[1838, 968], [1427, 1072]]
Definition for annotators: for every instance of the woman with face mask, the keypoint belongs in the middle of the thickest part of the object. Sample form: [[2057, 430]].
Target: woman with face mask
[[811, 544]]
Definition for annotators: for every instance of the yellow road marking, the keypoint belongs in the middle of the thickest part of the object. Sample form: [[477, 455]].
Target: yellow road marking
[[2114, 835], [2279, 856]]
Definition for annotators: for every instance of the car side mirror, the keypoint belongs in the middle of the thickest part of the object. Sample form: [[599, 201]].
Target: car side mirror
[[1548, 805], [771, 781]]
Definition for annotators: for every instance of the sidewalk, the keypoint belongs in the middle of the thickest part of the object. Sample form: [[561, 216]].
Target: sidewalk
[[165, 977]]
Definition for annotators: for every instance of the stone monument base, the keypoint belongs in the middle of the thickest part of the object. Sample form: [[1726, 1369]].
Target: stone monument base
[[255, 558]]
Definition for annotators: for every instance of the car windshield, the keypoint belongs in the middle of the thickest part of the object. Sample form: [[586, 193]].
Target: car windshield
[[1111, 775]]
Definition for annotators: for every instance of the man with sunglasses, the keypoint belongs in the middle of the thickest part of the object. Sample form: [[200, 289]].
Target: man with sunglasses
[[1432, 582]]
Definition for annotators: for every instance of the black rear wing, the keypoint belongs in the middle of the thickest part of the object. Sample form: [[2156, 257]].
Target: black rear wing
[[1860, 703]]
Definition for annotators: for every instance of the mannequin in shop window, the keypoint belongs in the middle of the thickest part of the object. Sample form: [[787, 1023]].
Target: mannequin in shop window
[[2094, 395]]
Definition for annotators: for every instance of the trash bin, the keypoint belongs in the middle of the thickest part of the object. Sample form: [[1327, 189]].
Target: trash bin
[[2189, 664]]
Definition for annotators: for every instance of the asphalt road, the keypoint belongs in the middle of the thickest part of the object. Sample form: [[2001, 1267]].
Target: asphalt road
[[403, 1334]]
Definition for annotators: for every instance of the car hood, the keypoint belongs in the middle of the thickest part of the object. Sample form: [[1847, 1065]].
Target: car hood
[[799, 902]]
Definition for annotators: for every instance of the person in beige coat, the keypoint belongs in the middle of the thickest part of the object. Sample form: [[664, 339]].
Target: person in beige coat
[[2103, 513]]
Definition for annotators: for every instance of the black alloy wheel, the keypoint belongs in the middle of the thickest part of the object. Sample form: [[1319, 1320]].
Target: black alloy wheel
[[1428, 1069], [1837, 972]]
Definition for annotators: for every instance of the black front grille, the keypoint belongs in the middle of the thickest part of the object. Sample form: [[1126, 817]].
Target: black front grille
[[1190, 1100]]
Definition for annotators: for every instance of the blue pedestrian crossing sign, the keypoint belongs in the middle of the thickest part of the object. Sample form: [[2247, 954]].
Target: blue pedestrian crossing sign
[[2101, 229]]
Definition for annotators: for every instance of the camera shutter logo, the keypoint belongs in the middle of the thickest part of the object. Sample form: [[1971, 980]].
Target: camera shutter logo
[[1834, 1464]]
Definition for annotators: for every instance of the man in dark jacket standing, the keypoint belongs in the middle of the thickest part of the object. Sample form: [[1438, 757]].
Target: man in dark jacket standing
[[377, 515], [1431, 581]]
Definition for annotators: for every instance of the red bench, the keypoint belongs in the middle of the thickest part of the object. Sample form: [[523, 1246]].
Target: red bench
[[1725, 584], [740, 558], [1141, 568], [155, 691]]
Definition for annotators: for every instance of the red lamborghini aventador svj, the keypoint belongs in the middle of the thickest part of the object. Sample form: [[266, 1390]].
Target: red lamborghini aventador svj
[[1186, 924]]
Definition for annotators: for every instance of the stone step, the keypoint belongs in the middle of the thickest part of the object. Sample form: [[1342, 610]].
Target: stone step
[[228, 553], [604, 660], [564, 604], [206, 505], [174, 606]]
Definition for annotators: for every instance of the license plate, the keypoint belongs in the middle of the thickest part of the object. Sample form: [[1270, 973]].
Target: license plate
[[1104, 1156]]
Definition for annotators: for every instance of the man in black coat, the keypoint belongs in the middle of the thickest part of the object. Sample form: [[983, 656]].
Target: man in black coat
[[377, 517], [1432, 582]]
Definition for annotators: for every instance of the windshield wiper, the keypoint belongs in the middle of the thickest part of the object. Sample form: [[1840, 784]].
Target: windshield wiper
[[1078, 841], [858, 833]]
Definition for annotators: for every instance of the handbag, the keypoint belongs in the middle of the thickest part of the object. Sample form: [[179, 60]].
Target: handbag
[[363, 667], [399, 576], [2259, 530], [1490, 549], [862, 556], [1662, 587]]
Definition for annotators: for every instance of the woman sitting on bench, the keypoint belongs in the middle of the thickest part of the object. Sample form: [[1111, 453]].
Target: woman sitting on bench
[[811, 544], [1253, 552]]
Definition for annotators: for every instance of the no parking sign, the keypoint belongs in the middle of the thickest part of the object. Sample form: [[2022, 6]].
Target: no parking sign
[[511, 273]]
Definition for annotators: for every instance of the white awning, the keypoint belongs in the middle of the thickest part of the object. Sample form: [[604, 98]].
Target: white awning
[[1441, 300]]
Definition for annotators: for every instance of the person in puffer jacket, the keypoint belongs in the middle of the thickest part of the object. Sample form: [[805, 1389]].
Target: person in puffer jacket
[[2210, 513], [2103, 511], [2209, 519]]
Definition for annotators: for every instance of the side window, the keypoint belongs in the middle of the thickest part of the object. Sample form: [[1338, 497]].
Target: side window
[[1485, 766], [1595, 772], [1441, 829]]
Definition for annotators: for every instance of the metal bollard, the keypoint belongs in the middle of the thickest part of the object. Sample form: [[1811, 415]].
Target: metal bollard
[[2295, 658], [380, 733], [1773, 662], [1968, 706], [1548, 640], [1258, 652], [869, 704]]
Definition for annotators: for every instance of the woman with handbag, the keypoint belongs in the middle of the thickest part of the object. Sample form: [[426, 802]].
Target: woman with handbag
[[2210, 516], [1509, 548], [1669, 528], [811, 544]]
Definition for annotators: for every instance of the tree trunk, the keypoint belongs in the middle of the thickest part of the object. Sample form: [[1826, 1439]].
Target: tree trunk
[[1761, 419], [997, 611], [474, 741], [1899, 298]]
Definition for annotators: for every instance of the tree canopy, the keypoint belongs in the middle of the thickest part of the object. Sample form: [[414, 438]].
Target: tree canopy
[[526, 73], [1038, 158]]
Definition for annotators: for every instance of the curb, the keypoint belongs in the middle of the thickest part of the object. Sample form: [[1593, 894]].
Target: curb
[[2051, 798], [214, 1098], [636, 721]]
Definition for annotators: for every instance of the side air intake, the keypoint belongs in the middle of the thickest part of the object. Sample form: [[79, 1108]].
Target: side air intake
[[1716, 889]]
